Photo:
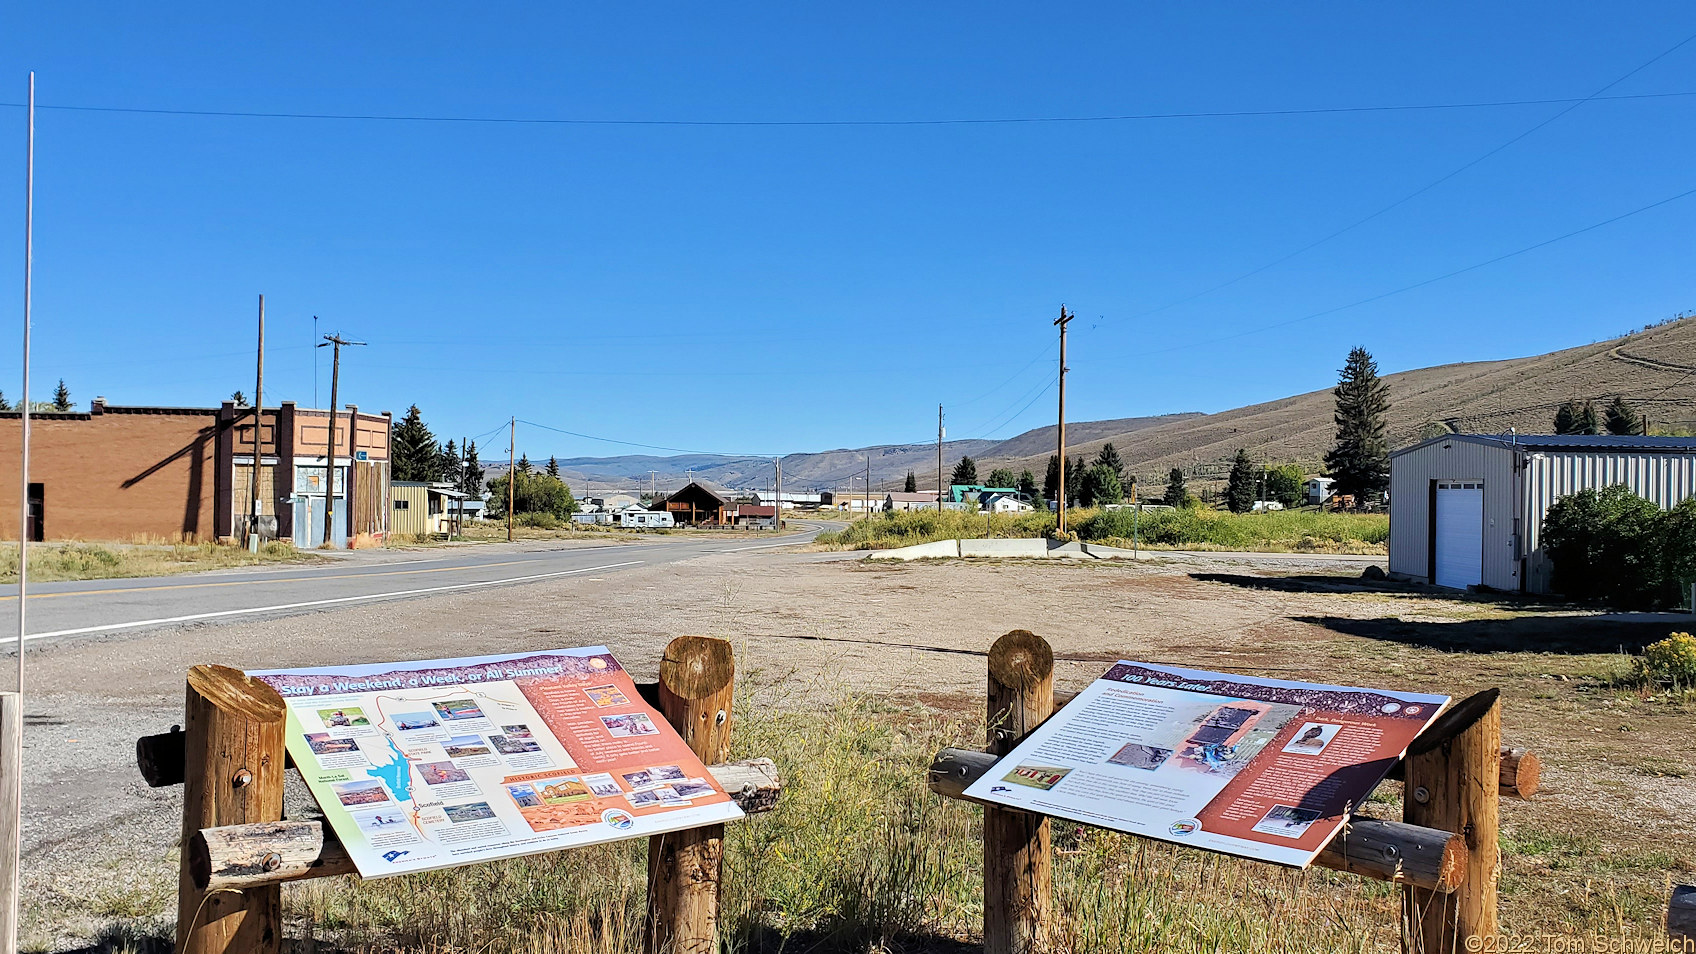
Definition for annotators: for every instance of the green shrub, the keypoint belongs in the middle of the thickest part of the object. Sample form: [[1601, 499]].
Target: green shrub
[[1198, 527], [1672, 660], [1613, 546], [903, 528]]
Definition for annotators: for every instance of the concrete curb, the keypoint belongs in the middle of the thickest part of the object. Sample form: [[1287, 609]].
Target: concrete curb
[[1028, 548]]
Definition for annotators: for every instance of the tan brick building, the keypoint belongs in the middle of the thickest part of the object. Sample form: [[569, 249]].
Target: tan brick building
[[165, 474]]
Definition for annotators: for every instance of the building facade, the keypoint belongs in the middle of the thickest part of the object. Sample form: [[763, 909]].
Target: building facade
[[1467, 509]]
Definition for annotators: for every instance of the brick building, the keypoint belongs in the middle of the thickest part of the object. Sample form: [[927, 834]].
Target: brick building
[[167, 474]]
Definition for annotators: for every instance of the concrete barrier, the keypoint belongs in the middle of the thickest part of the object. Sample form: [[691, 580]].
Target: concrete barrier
[[941, 548], [1033, 547]]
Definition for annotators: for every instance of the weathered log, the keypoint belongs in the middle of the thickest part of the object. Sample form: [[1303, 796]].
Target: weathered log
[[160, 758], [1454, 783], [1018, 856], [1681, 914], [697, 690], [233, 750], [1373, 848], [267, 853]]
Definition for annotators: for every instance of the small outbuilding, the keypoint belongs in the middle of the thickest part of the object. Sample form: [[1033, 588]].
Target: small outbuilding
[[1467, 509], [697, 505]]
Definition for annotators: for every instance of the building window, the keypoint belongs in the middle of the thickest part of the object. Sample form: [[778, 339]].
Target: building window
[[402, 504]]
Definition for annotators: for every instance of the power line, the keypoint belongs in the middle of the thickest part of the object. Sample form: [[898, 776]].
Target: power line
[[1571, 105], [1429, 281], [660, 447], [779, 123]]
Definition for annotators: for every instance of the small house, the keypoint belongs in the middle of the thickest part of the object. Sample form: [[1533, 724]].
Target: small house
[[907, 501], [697, 505], [1318, 490]]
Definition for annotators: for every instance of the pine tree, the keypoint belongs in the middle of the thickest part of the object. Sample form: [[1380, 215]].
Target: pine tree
[[416, 455], [1566, 417], [448, 469], [965, 472], [1589, 422], [1001, 477], [553, 468], [5, 405], [61, 397], [471, 474], [1051, 479], [1240, 490], [1076, 469], [911, 486], [1100, 485], [1109, 457], [1177, 495], [1621, 418], [524, 466], [1027, 484], [1360, 461]]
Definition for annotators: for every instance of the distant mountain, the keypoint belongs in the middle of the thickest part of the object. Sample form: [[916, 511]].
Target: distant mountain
[[1654, 369]]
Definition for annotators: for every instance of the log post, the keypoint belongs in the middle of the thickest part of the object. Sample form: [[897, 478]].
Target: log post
[[11, 815], [1453, 783], [696, 692], [1018, 858], [233, 775]]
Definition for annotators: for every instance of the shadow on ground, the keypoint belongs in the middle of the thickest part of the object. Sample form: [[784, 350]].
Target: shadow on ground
[[1578, 635], [1338, 583]]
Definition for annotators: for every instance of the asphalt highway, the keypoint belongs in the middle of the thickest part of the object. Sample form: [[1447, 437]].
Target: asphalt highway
[[60, 611]]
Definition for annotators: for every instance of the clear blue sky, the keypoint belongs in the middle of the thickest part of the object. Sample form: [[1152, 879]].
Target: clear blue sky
[[760, 288]]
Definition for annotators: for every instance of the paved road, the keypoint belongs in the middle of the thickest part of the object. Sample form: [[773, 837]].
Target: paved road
[[59, 611]]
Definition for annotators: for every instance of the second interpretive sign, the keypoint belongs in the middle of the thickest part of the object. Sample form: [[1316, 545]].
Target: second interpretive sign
[[1260, 768]]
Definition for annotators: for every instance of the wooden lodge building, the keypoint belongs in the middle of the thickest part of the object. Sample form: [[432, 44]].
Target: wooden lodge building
[[697, 505], [164, 474]]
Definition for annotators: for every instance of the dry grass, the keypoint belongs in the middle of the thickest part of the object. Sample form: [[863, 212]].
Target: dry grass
[[102, 561]]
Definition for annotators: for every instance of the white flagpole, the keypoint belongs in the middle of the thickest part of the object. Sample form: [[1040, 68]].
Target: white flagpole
[[11, 704]]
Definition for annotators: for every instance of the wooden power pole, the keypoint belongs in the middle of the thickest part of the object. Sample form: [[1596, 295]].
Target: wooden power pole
[[939, 434], [258, 425], [511, 473], [335, 342], [1062, 321]]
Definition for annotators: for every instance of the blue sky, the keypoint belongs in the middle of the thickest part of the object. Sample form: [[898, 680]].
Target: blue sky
[[787, 288]]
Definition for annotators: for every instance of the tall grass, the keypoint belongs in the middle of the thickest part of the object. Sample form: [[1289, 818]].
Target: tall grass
[[1278, 530], [96, 561], [1186, 528], [859, 856]]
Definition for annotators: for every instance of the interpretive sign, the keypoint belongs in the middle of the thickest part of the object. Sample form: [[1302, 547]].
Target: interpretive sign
[[423, 765], [1260, 768]]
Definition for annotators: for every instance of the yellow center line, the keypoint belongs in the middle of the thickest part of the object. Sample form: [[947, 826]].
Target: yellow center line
[[292, 579]]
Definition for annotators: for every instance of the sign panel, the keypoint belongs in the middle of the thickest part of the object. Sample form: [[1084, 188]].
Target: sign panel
[[1260, 768], [443, 762]]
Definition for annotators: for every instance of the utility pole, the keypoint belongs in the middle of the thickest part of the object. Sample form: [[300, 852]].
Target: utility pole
[[777, 514], [335, 342], [511, 473], [868, 485], [1062, 321], [653, 484], [258, 424], [939, 435]]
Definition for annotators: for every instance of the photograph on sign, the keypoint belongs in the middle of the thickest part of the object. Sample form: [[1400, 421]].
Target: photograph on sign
[[1260, 768], [424, 765]]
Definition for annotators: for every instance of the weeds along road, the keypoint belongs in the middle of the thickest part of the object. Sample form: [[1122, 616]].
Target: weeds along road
[[103, 608]]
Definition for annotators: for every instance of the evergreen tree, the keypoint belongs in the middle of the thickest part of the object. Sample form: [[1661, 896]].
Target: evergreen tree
[[911, 486], [553, 468], [471, 473], [416, 455], [5, 405], [1240, 489], [1100, 485], [1566, 417], [524, 466], [61, 397], [1027, 484], [1051, 479], [1589, 422], [1360, 461], [965, 472], [1177, 495], [1002, 477], [448, 469], [238, 399], [1621, 418], [1076, 469], [1109, 457]]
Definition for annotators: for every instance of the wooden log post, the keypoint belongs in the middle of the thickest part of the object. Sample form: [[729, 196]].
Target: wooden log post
[[1018, 857], [696, 692], [233, 775], [1454, 772], [11, 815]]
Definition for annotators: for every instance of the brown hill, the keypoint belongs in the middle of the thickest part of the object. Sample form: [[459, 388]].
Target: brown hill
[[1655, 369]]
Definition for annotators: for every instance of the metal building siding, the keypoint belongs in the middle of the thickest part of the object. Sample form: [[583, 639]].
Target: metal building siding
[[1411, 475], [1662, 478]]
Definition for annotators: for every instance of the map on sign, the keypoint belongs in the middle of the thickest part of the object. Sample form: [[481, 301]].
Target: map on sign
[[424, 765], [1260, 768]]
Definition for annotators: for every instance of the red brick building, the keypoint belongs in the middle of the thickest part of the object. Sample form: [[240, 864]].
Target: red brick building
[[160, 474]]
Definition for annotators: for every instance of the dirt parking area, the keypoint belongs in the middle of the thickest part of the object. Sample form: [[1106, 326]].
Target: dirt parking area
[[1597, 847]]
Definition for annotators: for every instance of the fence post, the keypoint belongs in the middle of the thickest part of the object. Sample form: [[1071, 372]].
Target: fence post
[[233, 774], [11, 816], [1017, 856], [1453, 783], [696, 691]]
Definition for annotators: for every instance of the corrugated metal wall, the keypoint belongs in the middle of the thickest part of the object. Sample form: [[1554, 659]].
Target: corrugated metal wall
[[1664, 479], [414, 518], [1411, 474]]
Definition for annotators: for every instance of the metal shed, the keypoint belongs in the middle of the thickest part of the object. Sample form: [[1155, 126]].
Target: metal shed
[[1467, 509]]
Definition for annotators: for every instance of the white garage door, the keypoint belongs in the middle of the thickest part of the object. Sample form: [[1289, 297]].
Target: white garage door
[[1460, 533]]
